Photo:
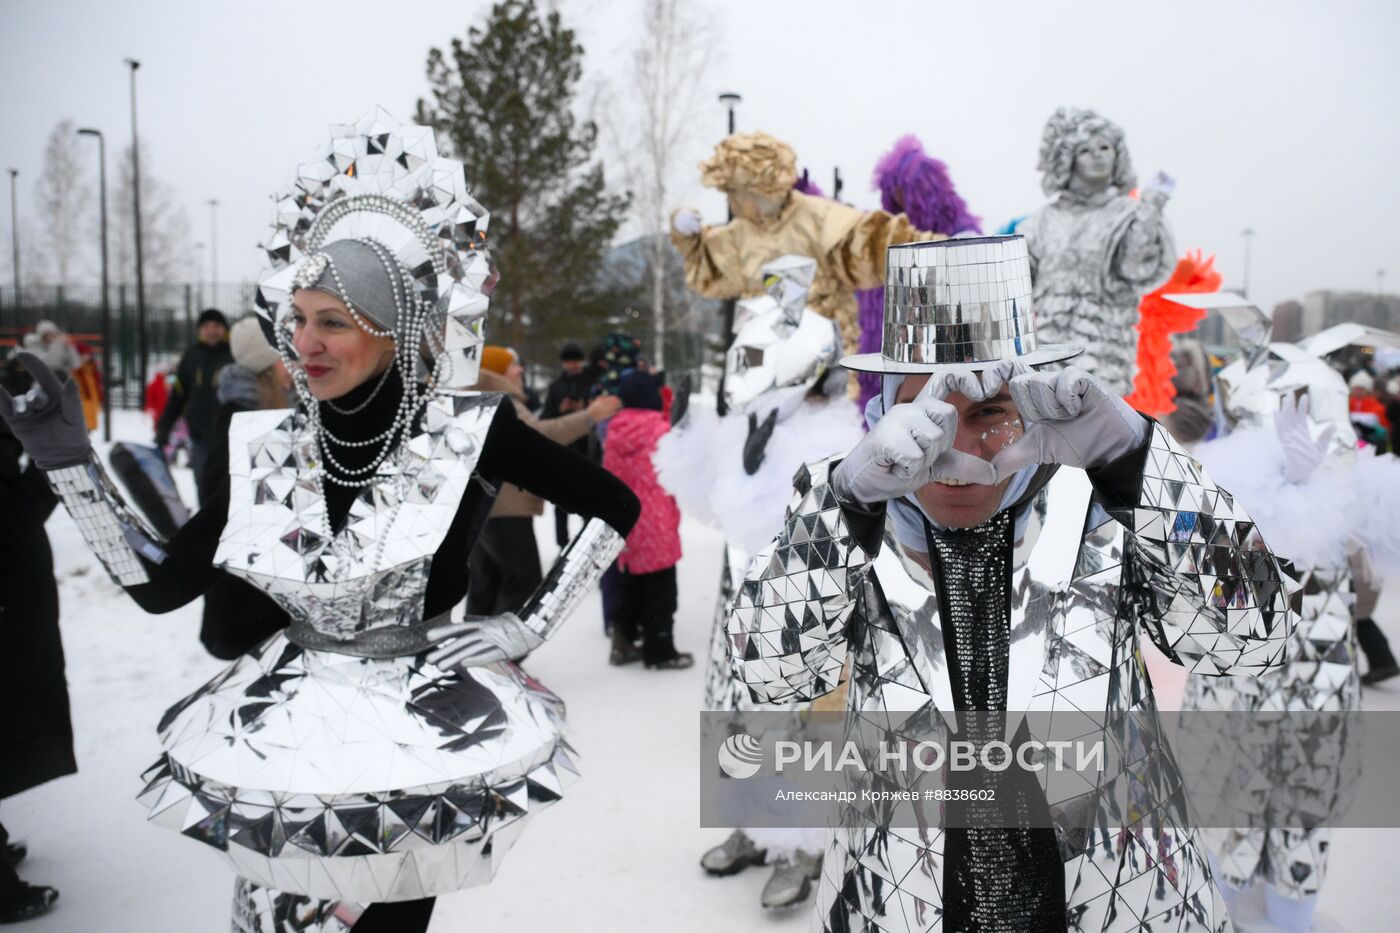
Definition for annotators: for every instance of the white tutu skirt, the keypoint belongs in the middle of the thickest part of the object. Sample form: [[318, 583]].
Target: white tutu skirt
[[348, 778]]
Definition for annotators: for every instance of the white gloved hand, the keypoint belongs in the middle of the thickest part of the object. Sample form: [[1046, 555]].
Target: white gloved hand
[[686, 221], [478, 640], [1160, 183], [1069, 419], [1301, 454], [1158, 190], [912, 446]]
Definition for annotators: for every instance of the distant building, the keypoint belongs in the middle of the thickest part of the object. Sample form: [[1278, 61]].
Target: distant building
[[1324, 308], [1288, 322]]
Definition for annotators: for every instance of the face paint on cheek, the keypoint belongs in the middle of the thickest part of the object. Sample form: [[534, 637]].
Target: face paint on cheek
[[1002, 435]]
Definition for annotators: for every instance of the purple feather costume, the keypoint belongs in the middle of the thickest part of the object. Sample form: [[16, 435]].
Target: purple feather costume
[[912, 182]]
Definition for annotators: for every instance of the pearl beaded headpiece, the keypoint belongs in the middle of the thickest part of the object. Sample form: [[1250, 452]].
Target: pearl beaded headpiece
[[379, 200], [383, 183]]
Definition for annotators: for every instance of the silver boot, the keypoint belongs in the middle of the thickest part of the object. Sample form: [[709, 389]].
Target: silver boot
[[732, 855], [791, 880]]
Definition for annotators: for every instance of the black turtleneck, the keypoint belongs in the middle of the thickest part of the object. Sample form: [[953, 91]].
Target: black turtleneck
[[373, 419], [513, 453]]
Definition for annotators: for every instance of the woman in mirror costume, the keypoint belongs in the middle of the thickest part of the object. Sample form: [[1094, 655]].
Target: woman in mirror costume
[[376, 753]]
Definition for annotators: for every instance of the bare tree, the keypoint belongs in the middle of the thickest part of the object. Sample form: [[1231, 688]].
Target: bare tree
[[165, 228], [668, 66], [63, 198]]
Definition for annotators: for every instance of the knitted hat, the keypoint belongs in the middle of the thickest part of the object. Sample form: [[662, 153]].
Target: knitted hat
[[571, 351], [1361, 380], [637, 389], [215, 315], [250, 347], [497, 359]]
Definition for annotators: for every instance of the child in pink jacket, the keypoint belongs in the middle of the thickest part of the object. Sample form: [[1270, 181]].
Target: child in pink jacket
[[647, 597]]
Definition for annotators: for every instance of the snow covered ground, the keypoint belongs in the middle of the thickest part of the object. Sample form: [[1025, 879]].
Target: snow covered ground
[[618, 854]]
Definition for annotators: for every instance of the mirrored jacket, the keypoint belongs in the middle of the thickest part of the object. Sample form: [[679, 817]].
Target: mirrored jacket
[[1150, 545]]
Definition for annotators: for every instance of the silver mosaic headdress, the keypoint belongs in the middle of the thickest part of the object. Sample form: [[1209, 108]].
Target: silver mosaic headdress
[[1261, 370], [958, 304], [383, 182], [781, 347]]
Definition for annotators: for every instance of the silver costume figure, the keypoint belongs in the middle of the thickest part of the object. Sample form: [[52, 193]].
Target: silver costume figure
[[1094, 249], [787, 406], [1099, 530], [374, 751], [1289, 453]]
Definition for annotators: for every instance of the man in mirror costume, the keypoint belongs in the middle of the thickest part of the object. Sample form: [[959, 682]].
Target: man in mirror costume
[[1002, 539]]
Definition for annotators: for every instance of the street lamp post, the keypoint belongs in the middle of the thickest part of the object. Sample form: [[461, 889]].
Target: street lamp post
[[199, 288], [1248, 234], [730, 100], [106, 303], [213, 248], [133, 64], [14, 234]]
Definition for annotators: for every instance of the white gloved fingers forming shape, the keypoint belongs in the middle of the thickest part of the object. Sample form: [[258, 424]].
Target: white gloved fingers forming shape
[[1035, 397], [1071, 420], [1071, 387], [1028, 450], [995, 378], [938, 387], [963, 466], [901, 455]]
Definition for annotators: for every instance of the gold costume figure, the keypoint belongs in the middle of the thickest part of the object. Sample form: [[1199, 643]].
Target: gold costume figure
[[756, 172]]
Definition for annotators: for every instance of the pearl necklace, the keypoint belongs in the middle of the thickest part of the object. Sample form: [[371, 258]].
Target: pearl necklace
[[412, 332], [383, 378]]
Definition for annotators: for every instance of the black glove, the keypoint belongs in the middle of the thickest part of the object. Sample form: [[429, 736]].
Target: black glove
[[680, 403], [756, 444], [48, 419]]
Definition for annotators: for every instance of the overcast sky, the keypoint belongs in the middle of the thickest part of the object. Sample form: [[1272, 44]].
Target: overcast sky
[[1278, 116]]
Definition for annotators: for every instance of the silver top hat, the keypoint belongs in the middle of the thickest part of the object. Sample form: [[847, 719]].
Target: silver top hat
[[958, 304]]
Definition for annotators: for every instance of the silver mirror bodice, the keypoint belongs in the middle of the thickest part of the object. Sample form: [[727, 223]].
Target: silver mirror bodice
[[373, 572]]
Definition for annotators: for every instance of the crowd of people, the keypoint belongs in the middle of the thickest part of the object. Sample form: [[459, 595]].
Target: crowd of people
[[983, 523]]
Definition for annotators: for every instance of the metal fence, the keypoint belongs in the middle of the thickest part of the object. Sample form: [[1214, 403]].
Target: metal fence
[[171, 312], [173, 309]]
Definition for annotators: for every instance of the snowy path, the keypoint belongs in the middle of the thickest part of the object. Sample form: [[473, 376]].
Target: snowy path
[[618, 854]]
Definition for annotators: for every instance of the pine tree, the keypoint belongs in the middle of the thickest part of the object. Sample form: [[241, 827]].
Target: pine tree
[[503, 97]]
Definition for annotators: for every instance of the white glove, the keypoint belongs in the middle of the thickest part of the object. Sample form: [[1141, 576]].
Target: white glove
[[1301, 454], [1070, 420], [1158, 190], [912, 446], [479, 640], [686, 221]]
